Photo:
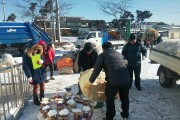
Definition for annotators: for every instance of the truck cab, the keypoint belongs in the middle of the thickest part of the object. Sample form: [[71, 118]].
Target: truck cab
[[94, 37]]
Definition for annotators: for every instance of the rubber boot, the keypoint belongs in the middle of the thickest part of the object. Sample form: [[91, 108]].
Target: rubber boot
[[36, 101], [41, 94], [79, 92]]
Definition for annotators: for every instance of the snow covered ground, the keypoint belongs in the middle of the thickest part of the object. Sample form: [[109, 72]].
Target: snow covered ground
[[152, 103]]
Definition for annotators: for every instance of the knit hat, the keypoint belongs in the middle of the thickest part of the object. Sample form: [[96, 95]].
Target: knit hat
[[132, 37], [88, 46], [41, 42], [107, 45]]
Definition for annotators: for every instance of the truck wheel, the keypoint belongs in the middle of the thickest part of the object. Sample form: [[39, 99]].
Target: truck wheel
[[163, 80]]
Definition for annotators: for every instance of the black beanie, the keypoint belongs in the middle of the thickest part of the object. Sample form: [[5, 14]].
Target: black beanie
[[88, 46], [107, 45], [132, 37]]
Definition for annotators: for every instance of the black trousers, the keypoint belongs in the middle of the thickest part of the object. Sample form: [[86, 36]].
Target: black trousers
[[51, 67], [111, 91], [137, 72]]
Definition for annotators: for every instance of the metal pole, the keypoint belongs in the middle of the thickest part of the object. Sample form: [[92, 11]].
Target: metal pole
[[4, 10], [51, 17], [58, 22]]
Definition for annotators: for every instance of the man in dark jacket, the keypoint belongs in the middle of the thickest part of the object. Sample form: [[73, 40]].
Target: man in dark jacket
[[159, 39], [35, 76], [132, 53], [86, 60], [117, 78]]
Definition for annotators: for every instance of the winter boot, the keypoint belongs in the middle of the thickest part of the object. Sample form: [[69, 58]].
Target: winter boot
[[52, 78], [41, 94], [79, 92], [36, 101]]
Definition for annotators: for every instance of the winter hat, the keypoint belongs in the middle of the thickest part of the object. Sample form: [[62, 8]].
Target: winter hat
[[132, 37], [107, 45], [88, 46], [41, 42], [31, 43]]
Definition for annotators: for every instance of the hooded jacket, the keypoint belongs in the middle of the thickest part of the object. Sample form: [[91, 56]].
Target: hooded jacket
[[48, 54], [37, 75]]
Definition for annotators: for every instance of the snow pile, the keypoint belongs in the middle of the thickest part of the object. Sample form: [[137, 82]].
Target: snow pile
[[64, 112], [76, 110], [46, 107], [86, 108], [171, 47], [45, 102], [71, 102], [7, 59], [52, 113]]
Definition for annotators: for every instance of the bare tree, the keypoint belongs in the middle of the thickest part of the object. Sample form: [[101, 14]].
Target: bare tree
[[115, 8], [40, 9]]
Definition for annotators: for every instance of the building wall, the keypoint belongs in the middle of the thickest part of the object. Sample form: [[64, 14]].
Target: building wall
[[174, 33]]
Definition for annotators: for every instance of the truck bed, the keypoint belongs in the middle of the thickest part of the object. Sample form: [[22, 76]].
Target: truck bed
[[169, 61]]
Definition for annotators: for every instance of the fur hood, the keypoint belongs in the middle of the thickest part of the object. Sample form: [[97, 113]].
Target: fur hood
[[36, 46]]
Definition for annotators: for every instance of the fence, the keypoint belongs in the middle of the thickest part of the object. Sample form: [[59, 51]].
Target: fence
[[14, 92]]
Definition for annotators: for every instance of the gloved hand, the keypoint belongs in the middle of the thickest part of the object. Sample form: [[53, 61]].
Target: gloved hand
[[30, 80]]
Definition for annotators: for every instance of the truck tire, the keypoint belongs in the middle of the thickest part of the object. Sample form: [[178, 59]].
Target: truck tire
[[164, 80]]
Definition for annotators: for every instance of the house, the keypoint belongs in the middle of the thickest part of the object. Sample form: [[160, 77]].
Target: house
[[169, 32]]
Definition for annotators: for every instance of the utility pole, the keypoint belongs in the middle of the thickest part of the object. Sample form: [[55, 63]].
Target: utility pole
[[58, 22], [52, 20], [4, 10]]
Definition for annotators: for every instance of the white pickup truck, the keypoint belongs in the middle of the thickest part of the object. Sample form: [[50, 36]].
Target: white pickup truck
[[95, 37]]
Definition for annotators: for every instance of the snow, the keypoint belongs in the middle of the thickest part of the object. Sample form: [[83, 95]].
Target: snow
[[152, 103]]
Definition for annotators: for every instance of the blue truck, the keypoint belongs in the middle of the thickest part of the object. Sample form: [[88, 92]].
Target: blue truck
[[14, 36]]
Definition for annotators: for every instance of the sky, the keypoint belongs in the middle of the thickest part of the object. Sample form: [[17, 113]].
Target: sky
[[167, 11]]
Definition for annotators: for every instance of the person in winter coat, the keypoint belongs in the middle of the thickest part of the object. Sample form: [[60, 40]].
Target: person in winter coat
[[49, 55], [86, 60], [117, 78], [159, 39], [132, 53], [36, 77]]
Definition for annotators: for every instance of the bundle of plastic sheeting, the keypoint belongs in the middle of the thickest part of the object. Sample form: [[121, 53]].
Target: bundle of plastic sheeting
[[95, 92], [65, 70], [171, 47], [7, 60], [64, 62], [75, 66]]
